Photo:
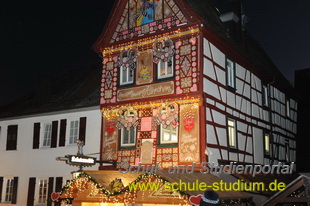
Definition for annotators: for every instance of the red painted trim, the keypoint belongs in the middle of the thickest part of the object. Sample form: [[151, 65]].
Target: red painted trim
[[116, 13]]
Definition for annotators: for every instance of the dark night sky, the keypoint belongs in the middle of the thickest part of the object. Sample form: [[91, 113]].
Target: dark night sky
[[40, 38]]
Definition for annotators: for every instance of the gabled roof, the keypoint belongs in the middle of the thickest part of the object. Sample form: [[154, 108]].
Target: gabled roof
[[71, 90], [206, 12]]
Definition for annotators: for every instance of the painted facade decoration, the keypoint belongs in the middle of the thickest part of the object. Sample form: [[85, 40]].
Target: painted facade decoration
[[191, 96]]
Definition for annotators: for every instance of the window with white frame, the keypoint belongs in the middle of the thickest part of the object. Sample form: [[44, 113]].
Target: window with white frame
[[9, 190], [47, 135], [126, 75], [165, 69], [267, 143], [265, 96], [43, 188], [128, 137], [232, 133], [168, 135], [230, 73], [74, 131]]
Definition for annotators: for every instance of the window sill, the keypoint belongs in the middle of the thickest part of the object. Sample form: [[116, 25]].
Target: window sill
[[233, 149], [164, 79], [167, 145], [127, 148], [230, 88], [125, 85]]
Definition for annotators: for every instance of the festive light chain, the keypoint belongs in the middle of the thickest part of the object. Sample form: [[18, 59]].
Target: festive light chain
[[128, 196], [145, 41], [112, 111]]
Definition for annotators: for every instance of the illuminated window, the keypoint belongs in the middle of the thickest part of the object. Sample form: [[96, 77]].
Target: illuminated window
[[74, 131], [232, 134], [42, 191], [128, 137], [267, 143], [9, 190], [47, 136], [126, 75], [168, 135], [165, 69], [230, 73]]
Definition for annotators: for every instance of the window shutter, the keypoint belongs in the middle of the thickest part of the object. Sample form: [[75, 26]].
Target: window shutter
[[58, 187], [11, 137], [31, 191], [50, 190], [54, 134], [36, 136], [62, 133], [82, 130], [1, 185], [15, 186]]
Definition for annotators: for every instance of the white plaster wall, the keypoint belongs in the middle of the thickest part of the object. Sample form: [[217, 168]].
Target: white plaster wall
[[26, 162]]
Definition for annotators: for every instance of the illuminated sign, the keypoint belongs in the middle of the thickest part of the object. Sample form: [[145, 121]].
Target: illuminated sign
[[80, 160]]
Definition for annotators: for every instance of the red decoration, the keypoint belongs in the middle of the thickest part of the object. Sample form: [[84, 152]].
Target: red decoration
[[195, 200], [111, 127], [55, 196], [189, 124]]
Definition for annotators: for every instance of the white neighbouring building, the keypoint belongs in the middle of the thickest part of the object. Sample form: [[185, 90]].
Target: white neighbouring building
[[42, 126]]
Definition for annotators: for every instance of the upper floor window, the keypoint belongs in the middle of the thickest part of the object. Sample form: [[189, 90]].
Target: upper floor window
[[74, 131], [43, 191], [165, 69], [12, 137], [287, 152], [9, 190], [163, 53], [287, 108], [128, 137], [47, 135], [265, 95], [230, 73], [267, 144], [127, 66], [168, 135], [232, 133]]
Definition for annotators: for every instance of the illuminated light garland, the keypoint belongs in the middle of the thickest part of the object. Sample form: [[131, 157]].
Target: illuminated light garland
[[127, 196], [112, 111], [145, 41]]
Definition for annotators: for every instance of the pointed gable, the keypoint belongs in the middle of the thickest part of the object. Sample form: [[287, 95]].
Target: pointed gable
[[135, 18]]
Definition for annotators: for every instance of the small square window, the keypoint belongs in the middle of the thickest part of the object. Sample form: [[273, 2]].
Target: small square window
[[230, 73], [232, 133], [165, 69], [47, 135], [168, 135], [126, 75], [128, 137], [74, 131]]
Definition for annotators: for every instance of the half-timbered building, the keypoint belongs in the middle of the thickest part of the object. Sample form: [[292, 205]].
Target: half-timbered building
[[183, 84]]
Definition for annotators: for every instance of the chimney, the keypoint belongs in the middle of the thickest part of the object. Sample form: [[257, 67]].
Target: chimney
[[235, 20]]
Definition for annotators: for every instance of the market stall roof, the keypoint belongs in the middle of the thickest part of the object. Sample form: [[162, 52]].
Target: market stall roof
[[105, 177]]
